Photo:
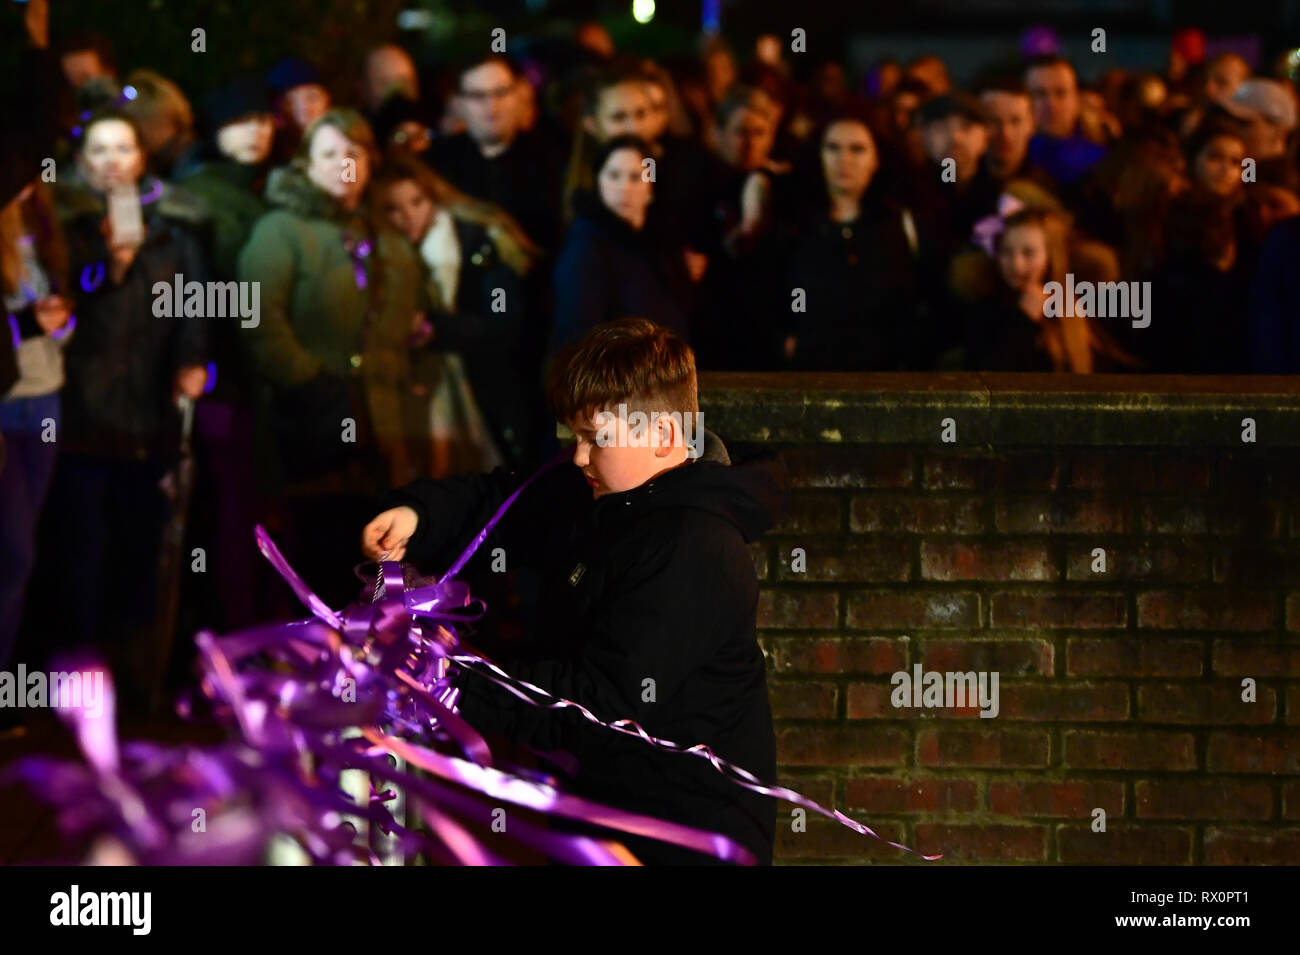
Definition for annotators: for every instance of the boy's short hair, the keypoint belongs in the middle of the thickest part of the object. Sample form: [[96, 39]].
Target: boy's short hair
[[631, 361]]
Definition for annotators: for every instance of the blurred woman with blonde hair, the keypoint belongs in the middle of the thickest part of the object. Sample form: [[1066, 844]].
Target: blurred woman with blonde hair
[[1013, 328], [340, 297]]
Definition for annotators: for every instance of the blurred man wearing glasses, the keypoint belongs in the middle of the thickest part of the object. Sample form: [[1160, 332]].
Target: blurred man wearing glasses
[[494, 159]]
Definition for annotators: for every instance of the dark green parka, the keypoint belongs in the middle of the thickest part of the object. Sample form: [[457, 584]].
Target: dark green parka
[[337, 300]]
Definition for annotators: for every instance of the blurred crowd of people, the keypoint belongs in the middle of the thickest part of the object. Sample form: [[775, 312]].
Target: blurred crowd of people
[[421, 248]]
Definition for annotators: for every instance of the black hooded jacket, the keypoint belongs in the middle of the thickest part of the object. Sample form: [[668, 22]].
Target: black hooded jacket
[[608, 270], [122, 361], [652, 584]]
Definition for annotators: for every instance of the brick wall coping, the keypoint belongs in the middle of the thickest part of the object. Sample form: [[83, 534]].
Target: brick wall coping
[[1002, 409]]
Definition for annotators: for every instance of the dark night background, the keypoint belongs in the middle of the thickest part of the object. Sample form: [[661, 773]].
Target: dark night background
[[1122, 687], [249, 35]]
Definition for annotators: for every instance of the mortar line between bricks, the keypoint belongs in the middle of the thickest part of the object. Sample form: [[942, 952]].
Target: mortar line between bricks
[[1132, 590]]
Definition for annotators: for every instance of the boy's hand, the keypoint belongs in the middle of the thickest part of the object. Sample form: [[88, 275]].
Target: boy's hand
[[391, 531]]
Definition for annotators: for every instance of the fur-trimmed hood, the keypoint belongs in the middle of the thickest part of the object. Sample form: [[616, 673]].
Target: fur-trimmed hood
[[288, 188], [75, 198]]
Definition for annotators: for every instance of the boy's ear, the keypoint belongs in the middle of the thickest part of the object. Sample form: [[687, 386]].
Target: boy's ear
[[665, 429]]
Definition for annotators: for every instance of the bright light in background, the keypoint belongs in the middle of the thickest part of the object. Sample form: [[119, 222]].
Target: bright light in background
[[643, 11], [438, 24], [710, 15], [414, 20]]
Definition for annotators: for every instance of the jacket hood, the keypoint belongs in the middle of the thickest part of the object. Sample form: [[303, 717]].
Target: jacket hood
[[288, 188], [222, 167], [749, 494], [75, 198]]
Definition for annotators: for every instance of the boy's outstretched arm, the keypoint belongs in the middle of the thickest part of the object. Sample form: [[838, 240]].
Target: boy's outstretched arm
[[666, 617], [446, 509], [450, 511]]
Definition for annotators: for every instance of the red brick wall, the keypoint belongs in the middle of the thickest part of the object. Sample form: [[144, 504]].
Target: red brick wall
[[1120, 690]]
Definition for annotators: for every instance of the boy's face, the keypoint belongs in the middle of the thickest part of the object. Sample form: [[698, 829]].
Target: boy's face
[[616, 456]]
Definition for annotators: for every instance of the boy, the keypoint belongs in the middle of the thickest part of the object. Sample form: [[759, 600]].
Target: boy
[[649, 595]]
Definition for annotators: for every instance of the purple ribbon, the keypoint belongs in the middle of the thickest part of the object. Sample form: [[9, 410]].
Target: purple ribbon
[[985, 232], [381, 667], [96, 269], [153, 194], [736, 774], [481, 536]]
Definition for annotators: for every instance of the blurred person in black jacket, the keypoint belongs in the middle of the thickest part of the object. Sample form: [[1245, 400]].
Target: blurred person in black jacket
[[854, 266], [648, 583], [125, 368], [494, 159], [745, 197], [617, 261], [1199, 295]]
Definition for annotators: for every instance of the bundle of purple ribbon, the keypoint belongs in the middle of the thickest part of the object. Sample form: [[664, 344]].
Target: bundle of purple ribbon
[[367, 688]]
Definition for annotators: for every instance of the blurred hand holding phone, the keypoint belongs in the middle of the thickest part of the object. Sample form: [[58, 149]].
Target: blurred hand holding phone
[[125, 218], [123, 230]]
